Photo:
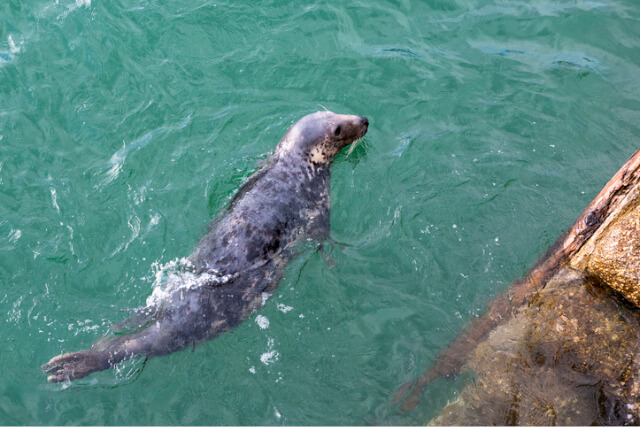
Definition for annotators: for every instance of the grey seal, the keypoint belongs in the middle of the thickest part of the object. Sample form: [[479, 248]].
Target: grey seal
[[243, 255]]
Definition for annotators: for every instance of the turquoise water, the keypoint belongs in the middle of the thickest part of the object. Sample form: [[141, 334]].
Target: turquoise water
[[126, 126]]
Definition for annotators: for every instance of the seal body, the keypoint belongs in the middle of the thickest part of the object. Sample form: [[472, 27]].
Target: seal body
[[242, 257]]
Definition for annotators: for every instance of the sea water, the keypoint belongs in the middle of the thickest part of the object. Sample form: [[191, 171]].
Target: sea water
[[125, 126]]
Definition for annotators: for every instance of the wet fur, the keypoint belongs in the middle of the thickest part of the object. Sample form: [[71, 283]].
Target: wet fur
[[244, 253]]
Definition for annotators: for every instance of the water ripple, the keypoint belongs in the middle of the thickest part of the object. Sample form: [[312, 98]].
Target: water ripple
[[125, 127]]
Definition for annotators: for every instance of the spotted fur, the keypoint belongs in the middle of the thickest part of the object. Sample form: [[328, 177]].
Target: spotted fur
[[243, 256]]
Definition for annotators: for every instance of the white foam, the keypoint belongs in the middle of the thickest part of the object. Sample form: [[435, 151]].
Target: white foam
[[154, 220], [175, 276], [262, 321], [54, 199], [284, 308], [269, 357], [12, 45], [265, 298], [14, 235]]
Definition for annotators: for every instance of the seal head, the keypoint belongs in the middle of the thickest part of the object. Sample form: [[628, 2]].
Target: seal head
[[320, 136]]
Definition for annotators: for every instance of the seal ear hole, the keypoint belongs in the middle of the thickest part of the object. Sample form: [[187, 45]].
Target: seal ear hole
[[337, 131]]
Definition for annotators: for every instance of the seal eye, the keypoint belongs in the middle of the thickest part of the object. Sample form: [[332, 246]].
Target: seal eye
[[337, 131]]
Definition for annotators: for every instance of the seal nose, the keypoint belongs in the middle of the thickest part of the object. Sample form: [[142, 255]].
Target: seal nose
[[364, 121]]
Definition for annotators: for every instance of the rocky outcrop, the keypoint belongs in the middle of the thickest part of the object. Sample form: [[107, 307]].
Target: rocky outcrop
[[570, 357], [613, 253], [562, 345]]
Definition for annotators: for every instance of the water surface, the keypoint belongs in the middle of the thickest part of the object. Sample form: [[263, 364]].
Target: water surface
[[126, 126]]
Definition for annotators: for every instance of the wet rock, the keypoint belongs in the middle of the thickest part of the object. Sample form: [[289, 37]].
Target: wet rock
[[613, 253], [567, 358], [564, 348]]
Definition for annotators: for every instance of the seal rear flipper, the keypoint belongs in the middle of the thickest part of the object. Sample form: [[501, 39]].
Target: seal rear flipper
[[104, 354], [72, 366]]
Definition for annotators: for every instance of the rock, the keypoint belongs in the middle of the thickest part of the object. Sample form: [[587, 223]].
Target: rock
[[567, 358], [561, 345], [613, 253]]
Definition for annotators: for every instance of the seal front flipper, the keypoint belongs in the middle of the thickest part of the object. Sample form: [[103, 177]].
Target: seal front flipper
[[318, 222]]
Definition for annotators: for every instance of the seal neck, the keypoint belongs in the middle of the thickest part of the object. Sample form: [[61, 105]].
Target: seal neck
[[303, 163]]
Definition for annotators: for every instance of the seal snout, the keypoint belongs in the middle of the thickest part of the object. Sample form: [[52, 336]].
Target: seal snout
[[363, 123]]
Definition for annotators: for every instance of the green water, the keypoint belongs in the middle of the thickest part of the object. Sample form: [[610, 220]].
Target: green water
[[126, 126]]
